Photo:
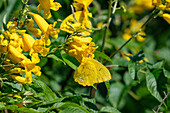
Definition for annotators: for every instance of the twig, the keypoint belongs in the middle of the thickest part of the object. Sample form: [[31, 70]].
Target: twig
[[108, 21], [10, 69], [109, 66], [93, 90], [21, 14], [166, 95], [72, 9], [133, 95]]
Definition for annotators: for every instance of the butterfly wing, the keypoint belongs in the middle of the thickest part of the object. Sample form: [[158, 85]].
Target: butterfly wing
[[103, 73], [86, 74]]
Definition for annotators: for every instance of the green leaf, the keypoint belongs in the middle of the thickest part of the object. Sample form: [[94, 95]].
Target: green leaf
[[56, 58], [159, 64], [27, 110], [72, 110], [107, 84], [2, 105], [102, 55], [23, 109], [116, 89], [49, 95], [67, 107], [168, 98], [109, 109], [11, 107], [43, 61], [152, 85], [71, 61], [131, 69], [127, 79], [166, 73], [9, 86]]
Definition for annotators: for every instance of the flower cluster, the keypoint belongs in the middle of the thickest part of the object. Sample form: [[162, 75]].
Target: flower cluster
[[163, 5], [134, 26], [20, 48], [78, 24], [139, 6], [81, 47], [22, 51]]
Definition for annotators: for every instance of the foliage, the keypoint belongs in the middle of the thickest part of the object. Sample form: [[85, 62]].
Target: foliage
[[131, 38]]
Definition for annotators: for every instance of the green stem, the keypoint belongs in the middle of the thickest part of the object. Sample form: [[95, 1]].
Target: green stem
[[21, 14], [93, 90], [6, 72], [7, 65], [5, 4], [108, 21], [134, 35]]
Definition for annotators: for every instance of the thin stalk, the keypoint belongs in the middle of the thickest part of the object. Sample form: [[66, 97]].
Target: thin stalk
[[93, 90], [108, 21], [21, 14], [5, 4]]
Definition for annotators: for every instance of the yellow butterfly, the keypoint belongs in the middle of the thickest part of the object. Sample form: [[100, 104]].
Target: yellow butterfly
[[91, 72]]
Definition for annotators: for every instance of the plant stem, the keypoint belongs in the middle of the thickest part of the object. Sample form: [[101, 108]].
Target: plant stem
[[108, 21], [21, 14], [5, 3], [134, 35], [93, 90]]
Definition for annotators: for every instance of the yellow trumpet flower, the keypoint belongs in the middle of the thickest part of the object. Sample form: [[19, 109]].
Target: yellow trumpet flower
[[46, 5], [166, 16], [27, 42], [45, 27], [19, 79]]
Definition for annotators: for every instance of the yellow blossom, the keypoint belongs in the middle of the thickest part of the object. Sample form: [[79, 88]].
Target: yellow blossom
[[19, 79], [28, 76], [17, 70], [14, 95], [144, 59], [46, 5], [36, 70], [134, 26], [13, 25], [3, 44], [52, 31], [42, 24], [28, 64], [82, 5], [14, 40], [166, 16], [145, 3], [27, 42], [79, 25], [36, 32], [100, 24], [14, 55], [38, 47], [45, 27], [35, 58], [126, 56], [79, 49]]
